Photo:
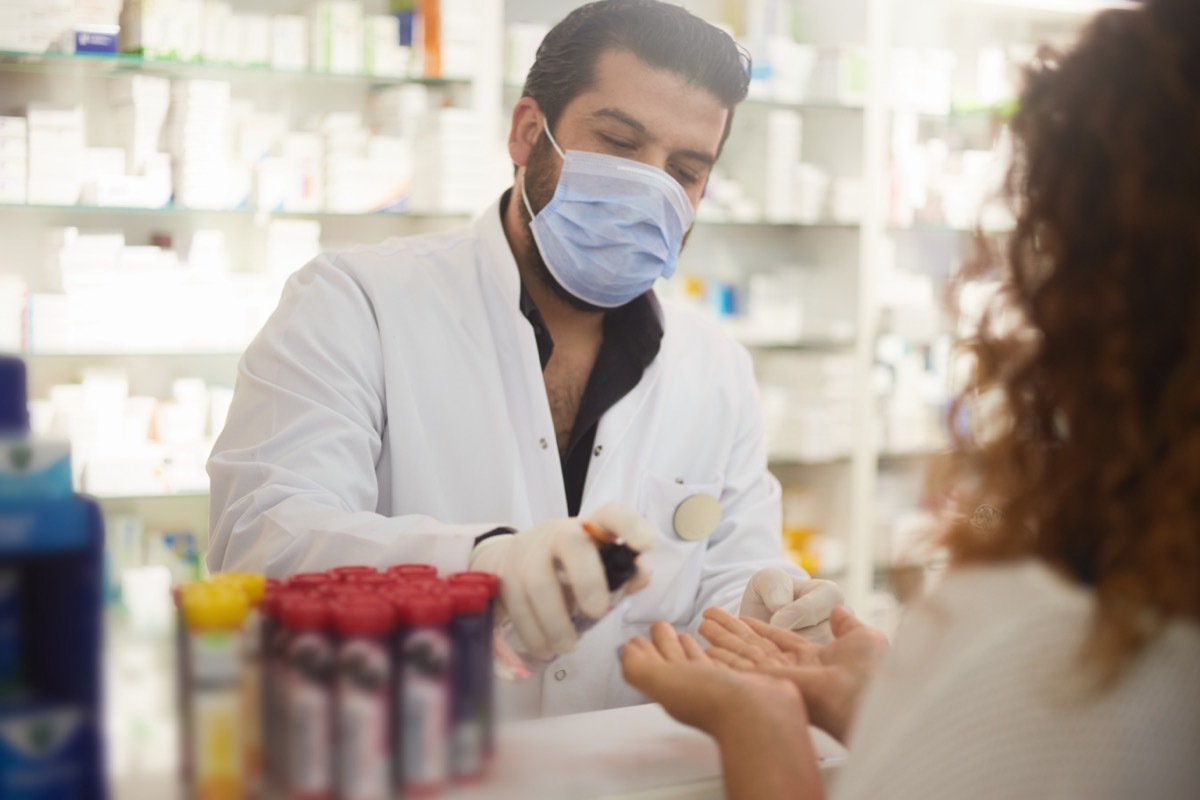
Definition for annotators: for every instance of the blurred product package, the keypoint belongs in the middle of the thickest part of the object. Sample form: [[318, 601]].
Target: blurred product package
[[348, 683]]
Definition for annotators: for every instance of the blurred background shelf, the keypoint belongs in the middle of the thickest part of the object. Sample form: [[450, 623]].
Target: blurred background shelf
[[825, 242], [103, 65], [183, 211]]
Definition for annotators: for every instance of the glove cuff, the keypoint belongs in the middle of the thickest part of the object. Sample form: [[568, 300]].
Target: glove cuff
[[483, 541]]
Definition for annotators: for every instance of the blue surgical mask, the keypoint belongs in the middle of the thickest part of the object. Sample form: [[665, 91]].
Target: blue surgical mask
[[613, 227]]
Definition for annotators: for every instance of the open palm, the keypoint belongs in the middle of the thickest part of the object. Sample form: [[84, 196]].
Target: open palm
[[830, 677]]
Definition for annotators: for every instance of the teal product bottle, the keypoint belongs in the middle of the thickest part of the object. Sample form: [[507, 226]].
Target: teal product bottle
[[51, 594]]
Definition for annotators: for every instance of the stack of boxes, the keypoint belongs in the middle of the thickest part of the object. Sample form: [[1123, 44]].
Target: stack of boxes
[[364, 172], [808, 405], [383, 53], [35, 26], [14, 159], [198, 133], [337, 36], [56, 154], [458, 38], [449, 161]]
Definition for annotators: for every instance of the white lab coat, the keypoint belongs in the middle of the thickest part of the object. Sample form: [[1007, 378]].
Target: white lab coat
[[393, 408]]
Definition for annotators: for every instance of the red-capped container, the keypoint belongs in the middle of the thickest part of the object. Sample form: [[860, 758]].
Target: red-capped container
[[374, 580], [420, 587], [487, 579], [309, 581], [275, 639], [422, 692], [344, 573], [345, 590], [413, 571], [363, 685], [471, 733], [308, 693], [491, 583]]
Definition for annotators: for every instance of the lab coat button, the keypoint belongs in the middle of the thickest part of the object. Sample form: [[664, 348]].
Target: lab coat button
[[599, 449], [543, 443], [560, 675]]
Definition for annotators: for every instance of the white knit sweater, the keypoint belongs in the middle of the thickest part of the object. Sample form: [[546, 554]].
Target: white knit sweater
[[983, 697]]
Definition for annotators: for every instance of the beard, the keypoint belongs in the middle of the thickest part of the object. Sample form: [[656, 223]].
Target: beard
[[541, 181]]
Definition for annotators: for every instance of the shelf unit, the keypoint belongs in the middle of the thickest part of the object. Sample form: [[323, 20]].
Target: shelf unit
[[105, 65], [849, 135]]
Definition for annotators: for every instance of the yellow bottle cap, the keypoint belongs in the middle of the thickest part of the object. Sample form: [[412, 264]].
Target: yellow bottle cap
[[253, 586], [211, 605]]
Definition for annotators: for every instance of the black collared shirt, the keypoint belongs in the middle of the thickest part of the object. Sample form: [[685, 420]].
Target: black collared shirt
[[632, 337]]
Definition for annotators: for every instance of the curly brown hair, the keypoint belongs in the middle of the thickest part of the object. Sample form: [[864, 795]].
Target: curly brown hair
[[1092, 453]]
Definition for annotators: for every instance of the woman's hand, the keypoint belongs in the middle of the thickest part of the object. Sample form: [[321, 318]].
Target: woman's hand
[[758, 720], [830, 677], [673, 670]]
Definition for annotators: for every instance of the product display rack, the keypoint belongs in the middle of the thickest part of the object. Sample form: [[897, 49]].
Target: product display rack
[[857, 246]]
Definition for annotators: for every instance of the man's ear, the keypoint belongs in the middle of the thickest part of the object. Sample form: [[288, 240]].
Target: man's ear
[[526, 128]]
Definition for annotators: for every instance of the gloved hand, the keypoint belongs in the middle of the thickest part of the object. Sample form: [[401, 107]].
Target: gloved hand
[[543, 568], [801, 605]]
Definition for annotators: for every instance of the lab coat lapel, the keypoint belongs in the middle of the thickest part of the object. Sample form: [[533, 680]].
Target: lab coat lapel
[[521, 373], [620, 461]]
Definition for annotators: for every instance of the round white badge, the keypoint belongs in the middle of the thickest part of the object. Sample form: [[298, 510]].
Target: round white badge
[[697, 517]]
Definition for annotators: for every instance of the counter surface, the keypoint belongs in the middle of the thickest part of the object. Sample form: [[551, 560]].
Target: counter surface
[[636, 753]]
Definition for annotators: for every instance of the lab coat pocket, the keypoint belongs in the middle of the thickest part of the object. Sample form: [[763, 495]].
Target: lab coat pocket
[[676, 562]]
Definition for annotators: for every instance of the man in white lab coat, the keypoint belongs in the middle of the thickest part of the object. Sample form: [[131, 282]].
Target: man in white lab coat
[[466, 399]]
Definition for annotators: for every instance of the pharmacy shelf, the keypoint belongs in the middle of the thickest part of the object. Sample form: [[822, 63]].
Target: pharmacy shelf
[[803, 346], [336, 215], [813, 104], [130, 498], [237, 212], [116, 65], [513, 90], [905, 457], [939, 228], [830, 225], [884, 458], [1056, 7], [786, 462], [81, 354]]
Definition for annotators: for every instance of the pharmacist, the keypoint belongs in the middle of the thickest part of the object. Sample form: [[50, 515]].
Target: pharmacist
[[463, 398]]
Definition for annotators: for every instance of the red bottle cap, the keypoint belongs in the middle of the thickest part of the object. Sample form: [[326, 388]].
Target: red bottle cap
[[469, 598], [308, 581], [419, 587], [370, 581], [304, 612], [416, 609], [488, 579], [363, 617], [345, 573], [346, 590], [413, 571], [271, 600]]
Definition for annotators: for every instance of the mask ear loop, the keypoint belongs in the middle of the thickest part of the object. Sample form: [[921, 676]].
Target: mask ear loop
[[550, 136], [557, 149]]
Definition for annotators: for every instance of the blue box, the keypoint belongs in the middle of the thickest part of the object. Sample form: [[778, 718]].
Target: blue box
[[97, 39], [51, 745], [43, 750]]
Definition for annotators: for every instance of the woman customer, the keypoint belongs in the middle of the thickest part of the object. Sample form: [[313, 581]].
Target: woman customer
[[1060, 655]]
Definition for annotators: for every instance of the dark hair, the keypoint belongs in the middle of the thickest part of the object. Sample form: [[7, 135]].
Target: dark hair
[[661, 34], [1095, 466]]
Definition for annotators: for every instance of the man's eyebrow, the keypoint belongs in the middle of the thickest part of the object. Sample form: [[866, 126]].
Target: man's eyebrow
[[707, 159], [622, 117]]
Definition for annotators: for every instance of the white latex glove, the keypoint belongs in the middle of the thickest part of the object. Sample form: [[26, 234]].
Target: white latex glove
[[801, 605], [539, 566]]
